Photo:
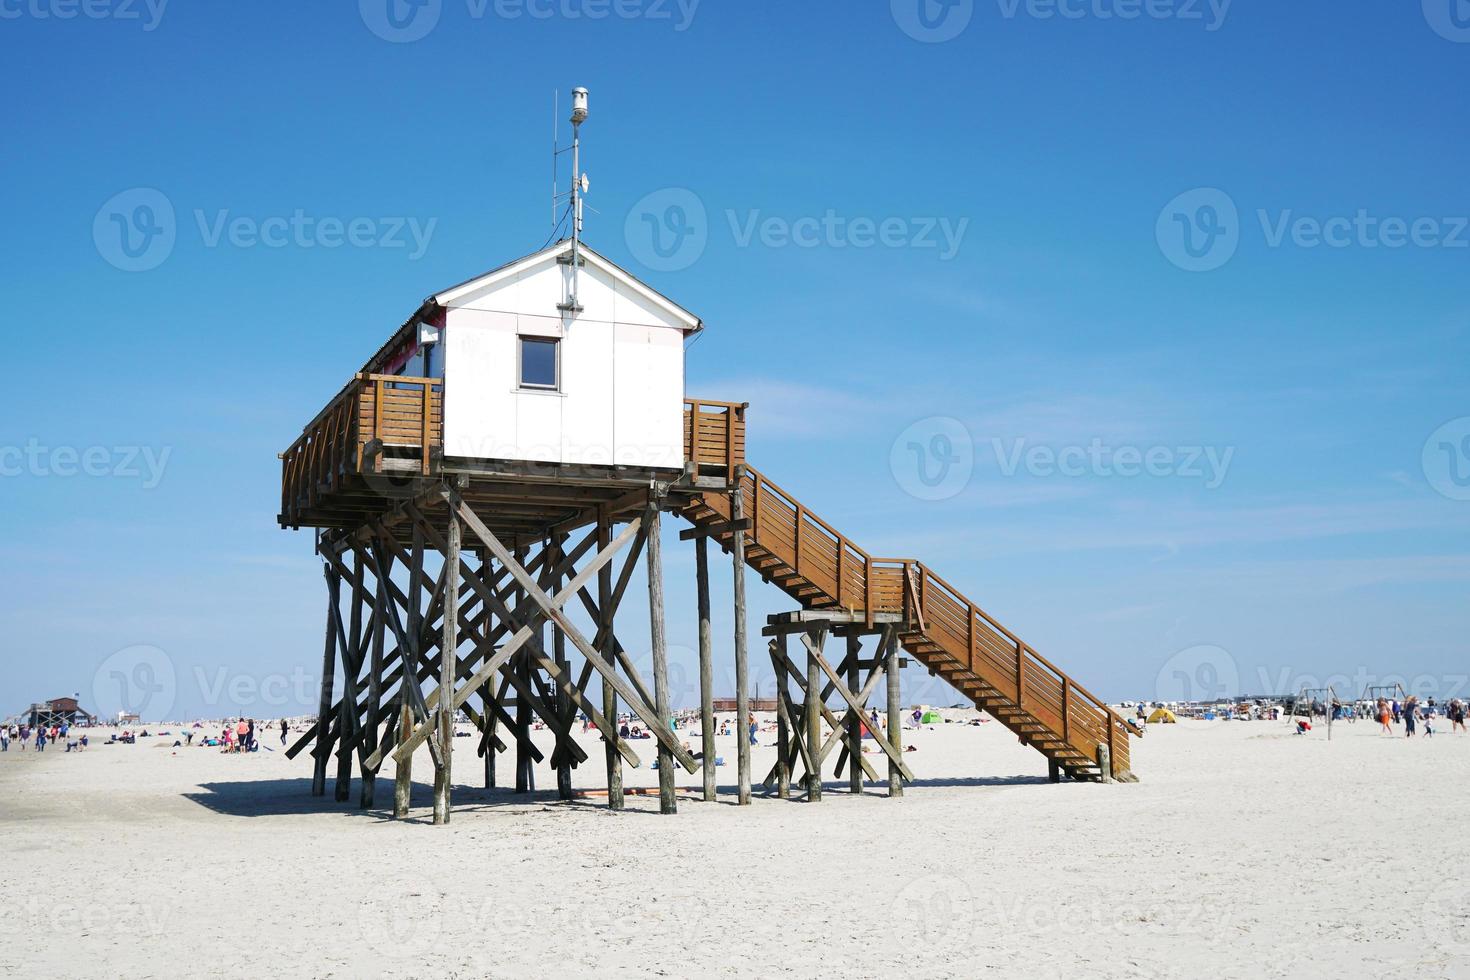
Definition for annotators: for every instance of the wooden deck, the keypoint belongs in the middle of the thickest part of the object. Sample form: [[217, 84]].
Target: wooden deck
[[380, 442]]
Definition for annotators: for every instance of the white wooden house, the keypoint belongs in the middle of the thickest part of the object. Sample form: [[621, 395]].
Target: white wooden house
[[528, 379]]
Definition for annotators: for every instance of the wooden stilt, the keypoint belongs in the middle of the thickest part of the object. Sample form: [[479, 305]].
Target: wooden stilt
[[742, 671], [1053, 770], [783, 719], [609, 695], [403, 775], [329, 667], [814, 720], [1105, 761], [525, 768], [448, 660], [706, 668], [895, 712], [373, 721], [351, 659], [855, 719], [564, 708], [667, 800]]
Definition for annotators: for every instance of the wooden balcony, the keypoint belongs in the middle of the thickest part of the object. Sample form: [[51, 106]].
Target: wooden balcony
[[382, 435]]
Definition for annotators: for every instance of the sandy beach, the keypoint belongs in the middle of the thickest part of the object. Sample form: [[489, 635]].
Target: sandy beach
[[1244, 852]]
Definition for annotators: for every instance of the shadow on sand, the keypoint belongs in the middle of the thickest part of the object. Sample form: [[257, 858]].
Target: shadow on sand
[[292, 797]]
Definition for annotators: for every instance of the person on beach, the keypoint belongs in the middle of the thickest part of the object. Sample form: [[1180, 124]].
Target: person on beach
[[5, 739], [1429, 724], [40, 740], [242, 730], [1457, 716], [284, 729], [250, 736], [1408, 712], [1384, 716]]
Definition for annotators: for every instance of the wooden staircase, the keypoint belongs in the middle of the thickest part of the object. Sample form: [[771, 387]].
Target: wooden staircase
[[821, 569]]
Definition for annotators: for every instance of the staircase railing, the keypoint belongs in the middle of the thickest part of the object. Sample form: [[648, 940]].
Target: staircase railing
[[848, 577]]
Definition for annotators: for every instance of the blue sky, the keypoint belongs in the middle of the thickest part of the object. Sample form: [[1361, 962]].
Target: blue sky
[[1101, 234]]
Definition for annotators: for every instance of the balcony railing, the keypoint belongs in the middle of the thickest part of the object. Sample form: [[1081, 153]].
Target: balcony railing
[[380, 422], [372, 421]]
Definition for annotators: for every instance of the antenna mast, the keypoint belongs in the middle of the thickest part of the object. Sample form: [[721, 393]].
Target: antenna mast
[[579, 189]]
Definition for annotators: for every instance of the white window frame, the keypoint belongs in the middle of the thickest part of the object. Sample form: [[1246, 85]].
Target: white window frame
[[521, 383]]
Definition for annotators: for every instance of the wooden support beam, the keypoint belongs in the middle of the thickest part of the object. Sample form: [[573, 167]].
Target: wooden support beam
[[814, 641], [606, 644], [329, 666], [783, 719], [855, 718], [895, 713], [448, 655], [742, 670], [368, 793], [706, 669], [552, 608], [667, 800]]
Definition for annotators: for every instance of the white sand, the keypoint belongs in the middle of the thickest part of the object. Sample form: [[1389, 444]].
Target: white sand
[[1245, 852]]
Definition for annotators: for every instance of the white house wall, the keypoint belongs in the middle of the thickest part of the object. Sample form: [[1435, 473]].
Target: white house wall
[[622, 375]]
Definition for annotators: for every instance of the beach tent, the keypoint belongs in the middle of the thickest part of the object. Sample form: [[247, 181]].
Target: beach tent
[[931, 718], [1162, 716]]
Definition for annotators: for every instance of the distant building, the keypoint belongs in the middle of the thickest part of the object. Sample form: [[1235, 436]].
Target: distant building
[[727, 705], [58, 711]]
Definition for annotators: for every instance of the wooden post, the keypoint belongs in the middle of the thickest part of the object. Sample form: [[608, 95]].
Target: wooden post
[[667, 800], [403, 775], [1053, 770], [492, 719], [368, 792], [895, 712], [1105, 761], [609, 655], [814, 719], [855, 724], [448, 659], [742, 667], [783, 719], [525, 765], [329, 667], [563, 701], [347, 733], [706, 668]]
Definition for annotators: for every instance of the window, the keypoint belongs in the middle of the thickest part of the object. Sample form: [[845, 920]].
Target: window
[[540, 363]]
